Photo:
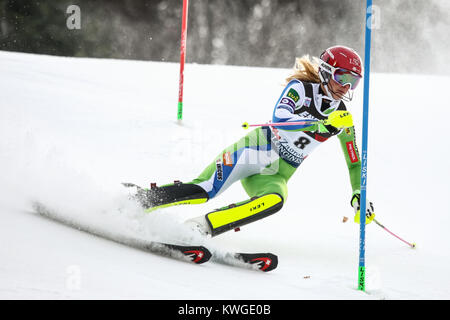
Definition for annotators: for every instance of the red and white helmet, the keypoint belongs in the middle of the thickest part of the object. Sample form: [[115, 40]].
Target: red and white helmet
[[343, 65]]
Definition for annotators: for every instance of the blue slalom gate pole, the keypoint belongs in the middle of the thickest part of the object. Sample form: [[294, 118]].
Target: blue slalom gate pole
[[365, 131]]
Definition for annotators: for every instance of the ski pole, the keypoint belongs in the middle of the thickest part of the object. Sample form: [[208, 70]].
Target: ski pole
[[245, 125], [412, 245]]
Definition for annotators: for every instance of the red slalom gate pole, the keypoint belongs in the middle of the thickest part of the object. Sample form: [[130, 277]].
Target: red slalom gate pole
[[182, 58]]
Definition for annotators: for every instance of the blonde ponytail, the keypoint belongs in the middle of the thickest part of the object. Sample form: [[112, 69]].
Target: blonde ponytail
[[305, 69]]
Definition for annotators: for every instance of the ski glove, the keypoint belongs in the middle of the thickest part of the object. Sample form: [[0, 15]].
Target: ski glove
[[370, 211]]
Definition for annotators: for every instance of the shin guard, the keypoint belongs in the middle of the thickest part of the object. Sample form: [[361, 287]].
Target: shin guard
[[236, 215]]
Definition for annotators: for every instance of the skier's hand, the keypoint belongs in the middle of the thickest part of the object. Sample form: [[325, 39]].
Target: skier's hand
[[370, 211], [340, 119]]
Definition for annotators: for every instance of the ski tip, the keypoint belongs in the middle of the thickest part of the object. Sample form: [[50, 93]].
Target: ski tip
[[264, 261], [198, 254], [270, 262]]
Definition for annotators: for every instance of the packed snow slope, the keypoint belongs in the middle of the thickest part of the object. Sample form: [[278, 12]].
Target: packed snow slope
[[71, 130]]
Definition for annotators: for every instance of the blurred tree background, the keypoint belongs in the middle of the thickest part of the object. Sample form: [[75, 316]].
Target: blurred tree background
[[266, 33]]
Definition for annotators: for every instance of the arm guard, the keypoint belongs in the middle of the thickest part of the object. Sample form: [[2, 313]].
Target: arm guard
[[348, 143]]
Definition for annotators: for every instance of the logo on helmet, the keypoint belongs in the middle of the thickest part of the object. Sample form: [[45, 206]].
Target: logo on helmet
[[355, 61]]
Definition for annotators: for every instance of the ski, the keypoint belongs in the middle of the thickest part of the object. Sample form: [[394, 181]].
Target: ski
[[197, 254], [193, 253], [257, 261], [264, 262]]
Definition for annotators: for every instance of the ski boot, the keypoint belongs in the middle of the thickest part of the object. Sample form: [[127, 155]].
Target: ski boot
[[168, 195]]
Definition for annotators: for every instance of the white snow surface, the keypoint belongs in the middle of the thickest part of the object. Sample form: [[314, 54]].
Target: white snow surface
[[73, 129]]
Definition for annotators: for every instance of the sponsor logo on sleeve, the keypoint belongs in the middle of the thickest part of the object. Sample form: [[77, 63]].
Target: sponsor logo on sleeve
[[351, 152], [219, 170], [227, 160], [293, 95], [288, 102]]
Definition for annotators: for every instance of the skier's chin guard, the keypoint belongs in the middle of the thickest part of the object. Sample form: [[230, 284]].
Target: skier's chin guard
[[237, 215]]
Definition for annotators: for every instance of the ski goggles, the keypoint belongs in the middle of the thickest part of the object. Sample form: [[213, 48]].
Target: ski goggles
[[344, 77]]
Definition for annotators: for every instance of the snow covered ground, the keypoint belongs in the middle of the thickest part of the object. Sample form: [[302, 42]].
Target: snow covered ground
[[71, 130]]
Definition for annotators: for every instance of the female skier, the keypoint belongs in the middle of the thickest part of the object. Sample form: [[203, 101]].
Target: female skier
[[266, 158]]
